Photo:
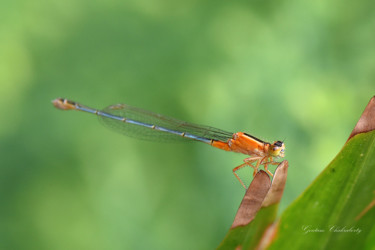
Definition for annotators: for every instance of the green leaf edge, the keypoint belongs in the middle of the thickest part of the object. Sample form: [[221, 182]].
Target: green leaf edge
[[288, 234]]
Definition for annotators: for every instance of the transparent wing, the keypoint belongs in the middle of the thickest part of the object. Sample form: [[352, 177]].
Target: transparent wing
[[144, 119]]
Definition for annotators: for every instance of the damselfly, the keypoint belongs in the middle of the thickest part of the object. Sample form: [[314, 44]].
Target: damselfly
[[144, 124]]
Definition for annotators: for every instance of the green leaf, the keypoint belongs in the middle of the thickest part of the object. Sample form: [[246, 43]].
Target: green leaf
[[331, 213], [336, 211]]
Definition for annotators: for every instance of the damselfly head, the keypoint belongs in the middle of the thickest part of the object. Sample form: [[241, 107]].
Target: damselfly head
[[277, 149]]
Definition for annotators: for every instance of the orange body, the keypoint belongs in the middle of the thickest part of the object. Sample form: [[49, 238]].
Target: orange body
[[244, 144]]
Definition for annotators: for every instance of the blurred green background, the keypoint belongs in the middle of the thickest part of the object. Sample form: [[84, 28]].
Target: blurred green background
[[299, 71]]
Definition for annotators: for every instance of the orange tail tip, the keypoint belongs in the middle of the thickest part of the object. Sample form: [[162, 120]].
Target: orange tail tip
[[63, 104]]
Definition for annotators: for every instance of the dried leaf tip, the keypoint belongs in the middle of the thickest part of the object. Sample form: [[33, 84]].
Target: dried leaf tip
[[366, 122], [252, 201]]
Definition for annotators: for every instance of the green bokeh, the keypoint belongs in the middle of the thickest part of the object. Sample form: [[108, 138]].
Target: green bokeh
[[299, 71]]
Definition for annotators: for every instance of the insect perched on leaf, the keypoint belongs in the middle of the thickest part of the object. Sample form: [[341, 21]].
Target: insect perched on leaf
[[144, 124]]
